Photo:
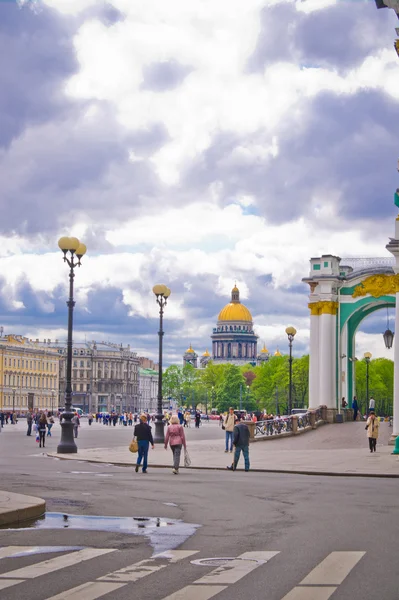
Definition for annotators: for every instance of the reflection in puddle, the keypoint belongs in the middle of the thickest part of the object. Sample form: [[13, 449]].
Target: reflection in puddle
[[164, 534], [44, 550]]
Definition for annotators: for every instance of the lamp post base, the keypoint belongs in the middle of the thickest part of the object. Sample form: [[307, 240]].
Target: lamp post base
[[67, 444], [159, 436]]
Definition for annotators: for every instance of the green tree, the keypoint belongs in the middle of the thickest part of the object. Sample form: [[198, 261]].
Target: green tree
[[380, 384], [228, 390]]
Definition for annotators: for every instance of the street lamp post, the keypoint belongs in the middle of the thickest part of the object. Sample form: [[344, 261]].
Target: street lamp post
[[13, 406], [290, 331], [76, 251], [162, 293], [367, 358]]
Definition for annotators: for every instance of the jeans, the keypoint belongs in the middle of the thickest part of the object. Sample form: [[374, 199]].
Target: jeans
[[42, 437], [372, 444], [75, 431], [237, 452], [229, 436], [176, 455], [143, 453], [49, 426], [29, 432]]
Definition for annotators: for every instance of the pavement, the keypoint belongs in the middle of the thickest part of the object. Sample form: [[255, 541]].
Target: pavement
[[318, 454], [16, 508]]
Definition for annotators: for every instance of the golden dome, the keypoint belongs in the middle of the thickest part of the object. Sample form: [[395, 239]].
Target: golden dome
[[264, 350], [235, 289], [278, 353], [206, 353], [235, 312], [190, 350]]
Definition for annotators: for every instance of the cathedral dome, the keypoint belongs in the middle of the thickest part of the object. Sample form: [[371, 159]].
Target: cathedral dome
[[235, 311]]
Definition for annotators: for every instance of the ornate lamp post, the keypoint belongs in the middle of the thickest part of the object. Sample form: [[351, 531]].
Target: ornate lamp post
[[367, 358], [290, 331], [76, 250], [162, 293]]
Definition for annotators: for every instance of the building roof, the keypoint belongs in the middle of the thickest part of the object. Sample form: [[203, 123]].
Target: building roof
[[234, 310], [190, 350]]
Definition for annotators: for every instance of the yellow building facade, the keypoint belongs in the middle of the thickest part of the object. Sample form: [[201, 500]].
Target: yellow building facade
[[29, 375]]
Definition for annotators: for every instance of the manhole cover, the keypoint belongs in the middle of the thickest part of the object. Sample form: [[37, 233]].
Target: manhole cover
[[222, 561]]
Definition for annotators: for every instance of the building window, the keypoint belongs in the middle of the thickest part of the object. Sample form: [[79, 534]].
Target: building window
[[75, 363], [14, 362], [82, 363], [326, 263], [316, 267]]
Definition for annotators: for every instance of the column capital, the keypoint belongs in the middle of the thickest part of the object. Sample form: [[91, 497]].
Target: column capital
[[323, 307]]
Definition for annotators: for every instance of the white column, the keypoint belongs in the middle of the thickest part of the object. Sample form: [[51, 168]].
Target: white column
[[314, 350], [395, 429], [327, 360]]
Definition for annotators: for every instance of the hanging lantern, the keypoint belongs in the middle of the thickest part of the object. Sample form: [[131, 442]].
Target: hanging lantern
[[388, 338]]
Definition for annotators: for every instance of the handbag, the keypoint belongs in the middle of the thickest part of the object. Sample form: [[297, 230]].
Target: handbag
[[187, 459], [133, 447]]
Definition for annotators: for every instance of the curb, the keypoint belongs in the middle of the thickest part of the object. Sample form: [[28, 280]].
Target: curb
[[280, 471], [29, 508]]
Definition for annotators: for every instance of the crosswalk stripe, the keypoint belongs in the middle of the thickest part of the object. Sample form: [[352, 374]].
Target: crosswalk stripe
[[9, 582], [310, 593], [234, 570], [217, 580], [197, 592], [333, 569], [147, 567], [88, 591], [55, 564], [8, 551], [117, 579]]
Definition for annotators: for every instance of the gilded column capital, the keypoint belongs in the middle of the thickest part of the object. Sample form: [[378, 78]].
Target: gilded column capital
[[323, 307], [314, 308]]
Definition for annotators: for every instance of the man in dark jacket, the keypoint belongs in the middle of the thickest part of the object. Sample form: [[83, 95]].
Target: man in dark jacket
[[142, 432], [241, 442]]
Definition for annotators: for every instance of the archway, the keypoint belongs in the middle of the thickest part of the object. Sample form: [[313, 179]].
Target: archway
[[342, 294]]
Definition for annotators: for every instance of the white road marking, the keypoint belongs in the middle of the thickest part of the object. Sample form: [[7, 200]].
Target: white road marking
[[310, 593], [234, 570], [196, 592], [55, 564], [9, 582], [11, 550], [88, 591], [333, 569], [147, 567]]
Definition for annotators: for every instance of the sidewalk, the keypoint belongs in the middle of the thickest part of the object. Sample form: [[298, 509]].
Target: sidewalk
[[265, 457], [16, 508]]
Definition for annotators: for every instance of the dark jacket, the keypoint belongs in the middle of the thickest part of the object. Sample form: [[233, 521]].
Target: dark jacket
[[142, 432], [241, 435]]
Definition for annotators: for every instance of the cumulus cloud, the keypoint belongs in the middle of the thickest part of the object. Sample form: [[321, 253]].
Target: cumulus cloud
[[195, 143]]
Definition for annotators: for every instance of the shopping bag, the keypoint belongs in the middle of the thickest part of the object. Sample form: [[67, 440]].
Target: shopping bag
[[187, 459], [134, 447], [37, 438]]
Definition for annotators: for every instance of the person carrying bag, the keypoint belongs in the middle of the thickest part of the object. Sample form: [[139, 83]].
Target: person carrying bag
[[176, 439]]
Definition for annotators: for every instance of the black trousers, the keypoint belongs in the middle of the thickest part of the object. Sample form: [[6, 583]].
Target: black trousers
[[42, 436], [372, 444]]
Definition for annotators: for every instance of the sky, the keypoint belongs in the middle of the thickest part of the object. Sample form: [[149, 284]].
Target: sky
[[195, 144]]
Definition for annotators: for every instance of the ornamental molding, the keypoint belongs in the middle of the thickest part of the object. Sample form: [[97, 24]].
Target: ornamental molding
[[377, 286], [323, 307]]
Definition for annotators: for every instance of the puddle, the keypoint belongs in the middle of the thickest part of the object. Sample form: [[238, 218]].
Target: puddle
[[163, 534], [169, 504]]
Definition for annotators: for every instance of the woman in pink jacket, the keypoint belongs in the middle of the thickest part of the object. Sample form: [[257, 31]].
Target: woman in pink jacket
[[175, 437]]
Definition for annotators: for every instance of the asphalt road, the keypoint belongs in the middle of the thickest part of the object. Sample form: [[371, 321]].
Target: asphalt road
[[302, 519]]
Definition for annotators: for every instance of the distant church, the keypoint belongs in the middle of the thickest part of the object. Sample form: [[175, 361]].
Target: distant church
[[233, 339]]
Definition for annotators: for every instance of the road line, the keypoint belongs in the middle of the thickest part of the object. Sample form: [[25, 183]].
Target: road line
[[196, 592], [310, 593], [9, 582], [146, 567], [55, 564], [10, 550], [234, 570], [333, 569], [88, 591]]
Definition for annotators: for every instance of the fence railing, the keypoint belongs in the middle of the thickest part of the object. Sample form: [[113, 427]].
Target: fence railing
[[279, 425]]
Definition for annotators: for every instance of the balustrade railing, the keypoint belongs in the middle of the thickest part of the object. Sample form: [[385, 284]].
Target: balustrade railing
[[279, 425]]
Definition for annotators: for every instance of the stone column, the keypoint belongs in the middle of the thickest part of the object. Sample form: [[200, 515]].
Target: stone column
[[327, 354], [314, 392], [393, 248]]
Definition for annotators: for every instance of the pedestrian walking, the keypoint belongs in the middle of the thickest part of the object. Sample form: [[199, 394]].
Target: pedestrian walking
[[197, 419], [143, 434], [29, 420], [228, 425], [372, 428], [76, 425], [50, 424], [42, 429], [355, 407], [176, 439], [241, 442], [90, 418]]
